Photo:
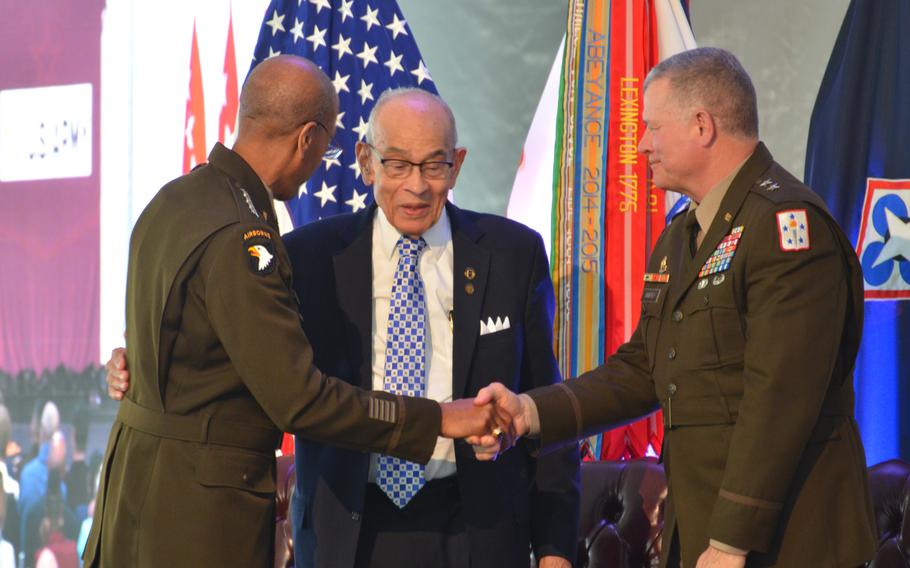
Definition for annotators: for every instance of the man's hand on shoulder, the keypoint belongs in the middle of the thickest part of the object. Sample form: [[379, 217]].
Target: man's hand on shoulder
[[118, 377]]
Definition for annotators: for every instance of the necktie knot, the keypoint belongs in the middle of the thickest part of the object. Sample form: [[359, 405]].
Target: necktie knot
[[411, 247]]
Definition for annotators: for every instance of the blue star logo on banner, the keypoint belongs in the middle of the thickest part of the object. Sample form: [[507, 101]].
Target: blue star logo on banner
[[884, 240]]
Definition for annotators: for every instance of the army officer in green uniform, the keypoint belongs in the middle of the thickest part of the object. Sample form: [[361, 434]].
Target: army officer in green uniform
[[219, 363], [751, 319]]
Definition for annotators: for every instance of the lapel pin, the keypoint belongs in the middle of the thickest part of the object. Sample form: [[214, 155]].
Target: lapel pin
[[470, 273], [663, 265], [728, 217], [469, 288]]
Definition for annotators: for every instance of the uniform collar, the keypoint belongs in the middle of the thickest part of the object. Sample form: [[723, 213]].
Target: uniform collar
[[710, 205], [233, 164]]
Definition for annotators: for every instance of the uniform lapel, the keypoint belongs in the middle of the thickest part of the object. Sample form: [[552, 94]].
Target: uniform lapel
[[353, 268], [723, 221], [466, 317]]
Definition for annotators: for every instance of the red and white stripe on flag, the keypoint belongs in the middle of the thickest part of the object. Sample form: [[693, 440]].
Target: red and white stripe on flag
[[194, 127]]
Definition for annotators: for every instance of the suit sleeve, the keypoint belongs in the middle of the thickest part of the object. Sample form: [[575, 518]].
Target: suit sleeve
[[796, 306], [555, 494], [254, 312]]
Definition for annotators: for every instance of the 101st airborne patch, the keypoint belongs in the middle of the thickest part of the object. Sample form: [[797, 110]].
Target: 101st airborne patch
[[260, 251]]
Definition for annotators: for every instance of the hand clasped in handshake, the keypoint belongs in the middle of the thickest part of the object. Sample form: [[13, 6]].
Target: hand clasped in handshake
[[492, 422]]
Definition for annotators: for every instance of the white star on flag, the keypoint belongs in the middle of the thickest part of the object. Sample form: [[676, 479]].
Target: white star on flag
[[898, 243], [341, 83], [397, 27], [365, 91], [276, 23], [394, 63], [370, 18], [320, 4], [326, 194], [343, 46], [421, 73], [338, 123], [273, 53], [361, 128], [368, 55], [329, 162], [345, 10], [297, 30], [356, 167], [357, 201], [317, 38]]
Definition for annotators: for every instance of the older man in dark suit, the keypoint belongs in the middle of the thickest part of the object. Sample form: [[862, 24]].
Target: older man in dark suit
[[488, 298]]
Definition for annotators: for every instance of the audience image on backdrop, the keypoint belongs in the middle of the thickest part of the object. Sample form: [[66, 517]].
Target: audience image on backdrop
[[9, 525], [7, 553]]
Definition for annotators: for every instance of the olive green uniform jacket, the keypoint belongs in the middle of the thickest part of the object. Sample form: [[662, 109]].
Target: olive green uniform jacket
[[752, 366], [220, 366]]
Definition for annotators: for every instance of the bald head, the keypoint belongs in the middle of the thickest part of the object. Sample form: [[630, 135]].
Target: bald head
[[56, 455], [50, 421], [414, 100], [282, 93]]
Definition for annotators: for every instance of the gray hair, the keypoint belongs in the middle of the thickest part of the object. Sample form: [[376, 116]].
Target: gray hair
[[714, 79], [50, 421], [391, 94]]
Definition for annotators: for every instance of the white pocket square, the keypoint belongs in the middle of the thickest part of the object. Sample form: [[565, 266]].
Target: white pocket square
[[490, 326]]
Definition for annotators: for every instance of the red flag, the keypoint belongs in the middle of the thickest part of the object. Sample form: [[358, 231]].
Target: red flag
[[227, 120], [194, 130]]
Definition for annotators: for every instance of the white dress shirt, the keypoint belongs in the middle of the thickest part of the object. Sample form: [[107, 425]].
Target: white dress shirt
[[435, 268]]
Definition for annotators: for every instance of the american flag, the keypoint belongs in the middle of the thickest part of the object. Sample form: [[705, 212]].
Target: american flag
[[365, 47]]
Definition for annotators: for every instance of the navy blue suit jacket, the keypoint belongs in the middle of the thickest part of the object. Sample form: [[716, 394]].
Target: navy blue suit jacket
[[510, 504]]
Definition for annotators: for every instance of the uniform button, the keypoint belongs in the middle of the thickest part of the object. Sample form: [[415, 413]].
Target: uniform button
[[671, 388], [672, 353], [355, 516], [677, 316], [245, 477]]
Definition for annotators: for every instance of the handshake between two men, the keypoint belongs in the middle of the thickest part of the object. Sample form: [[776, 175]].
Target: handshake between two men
[[492, 422]]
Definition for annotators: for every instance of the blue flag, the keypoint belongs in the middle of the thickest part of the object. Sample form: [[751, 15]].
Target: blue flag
[[365, 47], [858, 160]]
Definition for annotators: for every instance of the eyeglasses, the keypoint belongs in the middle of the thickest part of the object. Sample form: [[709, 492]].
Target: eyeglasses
[[397, 168], [332, 151]]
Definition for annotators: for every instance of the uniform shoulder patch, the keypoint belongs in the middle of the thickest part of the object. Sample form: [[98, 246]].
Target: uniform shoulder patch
[[793, 228], [260, 251]]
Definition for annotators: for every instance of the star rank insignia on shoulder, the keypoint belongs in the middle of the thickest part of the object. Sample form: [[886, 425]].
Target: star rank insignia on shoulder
[[260, 251], [722, 256], [793, 227], [249, 202], [769, 184]]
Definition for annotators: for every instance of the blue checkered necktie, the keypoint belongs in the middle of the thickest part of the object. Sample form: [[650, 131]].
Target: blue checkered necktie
[[405, 362]]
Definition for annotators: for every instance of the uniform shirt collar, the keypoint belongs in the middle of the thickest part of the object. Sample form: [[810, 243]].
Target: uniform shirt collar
[[436, 236], [710, 205]]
